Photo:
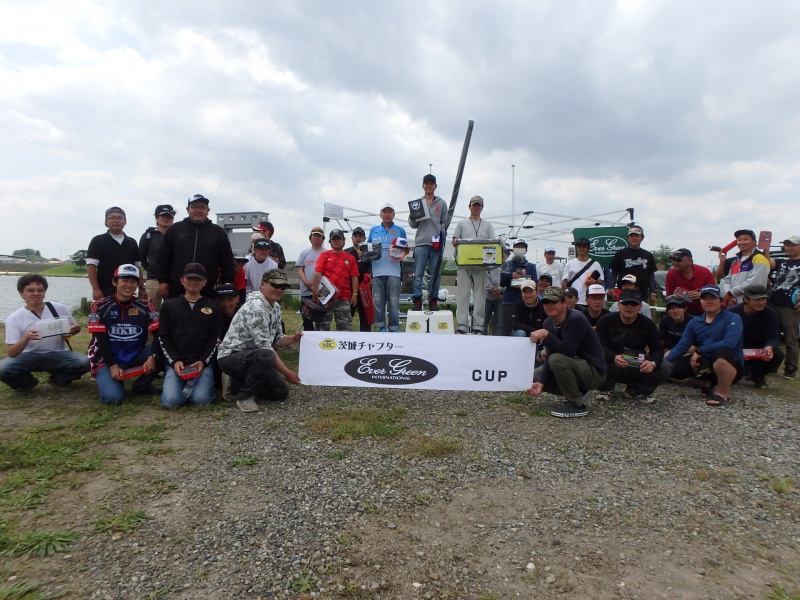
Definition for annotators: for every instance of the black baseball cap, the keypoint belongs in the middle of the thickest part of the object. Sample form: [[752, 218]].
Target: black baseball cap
[[681, 253], [429, 178], [165, 209], [749, 232], [195, 270], [359, 230], [335, 233], [226, 290], [630, 295], [582, 242]]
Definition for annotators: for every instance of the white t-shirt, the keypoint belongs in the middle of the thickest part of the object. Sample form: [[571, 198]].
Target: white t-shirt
[[253, 271], [22, 320], [555, 270], [575, 266]]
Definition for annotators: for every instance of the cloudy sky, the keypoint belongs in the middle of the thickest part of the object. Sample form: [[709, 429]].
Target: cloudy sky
[[684, 110]]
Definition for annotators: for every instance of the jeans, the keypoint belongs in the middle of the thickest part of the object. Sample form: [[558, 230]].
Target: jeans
[[201, 390], [425, 256], [386, 296], [112, 391], [64, 366], [494, 308], [789, 321], [254, 369]]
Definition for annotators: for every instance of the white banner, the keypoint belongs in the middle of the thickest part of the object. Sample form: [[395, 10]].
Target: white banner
[[416, 361]]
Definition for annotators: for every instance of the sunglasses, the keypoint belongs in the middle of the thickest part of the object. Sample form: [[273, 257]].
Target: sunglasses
[[282, 287]]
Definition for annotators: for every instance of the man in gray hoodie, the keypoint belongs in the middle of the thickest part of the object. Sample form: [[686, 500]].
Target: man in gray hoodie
[[428, 243]]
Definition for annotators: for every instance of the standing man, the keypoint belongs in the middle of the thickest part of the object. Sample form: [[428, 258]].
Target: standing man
[[248, 354], [149, 247], [635, 260], [550, 266], [575, 363], [760, 331], [364, 276], [582, 271], [428, 243], [258, 263], [341, 270], [386, 273], [188, 334], [633, 351], [786, 300], [514, 271], [749, 267], [108, 251], [30, 351], [306, 263], [196, 239], [716, 335], [469, 277], [120, 325], [267, 230], [688, 276]]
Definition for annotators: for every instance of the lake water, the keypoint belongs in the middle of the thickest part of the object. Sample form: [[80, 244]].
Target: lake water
[[67, 290]]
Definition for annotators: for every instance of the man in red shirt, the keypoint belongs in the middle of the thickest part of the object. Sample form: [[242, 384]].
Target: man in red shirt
[[690, 277], [341, 269]]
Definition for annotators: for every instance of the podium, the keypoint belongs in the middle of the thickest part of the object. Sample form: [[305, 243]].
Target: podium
[[429, 321]]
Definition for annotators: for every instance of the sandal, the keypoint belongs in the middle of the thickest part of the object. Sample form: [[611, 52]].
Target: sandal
[[716, 400]]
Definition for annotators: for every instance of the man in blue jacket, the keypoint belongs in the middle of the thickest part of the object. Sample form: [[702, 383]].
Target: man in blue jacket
[[718, 359]]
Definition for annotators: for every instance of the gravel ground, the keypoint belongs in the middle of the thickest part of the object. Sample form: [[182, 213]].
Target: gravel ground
[[672, 500]]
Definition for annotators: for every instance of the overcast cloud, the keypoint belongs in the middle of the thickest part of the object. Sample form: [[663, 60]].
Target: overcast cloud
[[686, 111]]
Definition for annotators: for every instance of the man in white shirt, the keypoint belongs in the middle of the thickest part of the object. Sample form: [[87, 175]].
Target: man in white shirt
[[582, 271], [30, 349], [258, 263], [550, 266]]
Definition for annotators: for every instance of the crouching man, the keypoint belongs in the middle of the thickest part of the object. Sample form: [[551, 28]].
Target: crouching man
[[247, 353], [120, 325], [575, 363], [29, 350], [633, 349], [188, 333]]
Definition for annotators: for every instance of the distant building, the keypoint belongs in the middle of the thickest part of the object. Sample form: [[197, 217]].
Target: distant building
[[10, 258]]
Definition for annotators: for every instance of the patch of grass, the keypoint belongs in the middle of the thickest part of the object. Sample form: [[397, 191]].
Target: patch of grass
[[781, 593], [20, 591], [422, 500], [783, 485], [460, 413], [123, 522], [41, 543], [336, 455], [244, 461], [424, 447], [19, 479], [306, 582], [160, 486], [340, 423], [152, 434], [369, 508], [23, 501]]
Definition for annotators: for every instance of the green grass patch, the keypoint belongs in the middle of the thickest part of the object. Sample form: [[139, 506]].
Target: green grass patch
[[39, 543], [344, 423], [783, 485], [20, 591], [123, 522], [244, 461], [781, 593], [150, 434], [425, 447]]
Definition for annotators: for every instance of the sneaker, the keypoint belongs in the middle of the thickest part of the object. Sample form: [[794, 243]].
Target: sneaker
[[417, 303], [602, 396], [460, 332], [569, 410], [790, 375], [248, 405], [630, 393], [433, 305], [477, 332], [382, 330], [27, 388], [759, 382], [642, 399]]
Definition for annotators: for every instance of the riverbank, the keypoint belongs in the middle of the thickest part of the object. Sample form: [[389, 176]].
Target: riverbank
[[383, 493]]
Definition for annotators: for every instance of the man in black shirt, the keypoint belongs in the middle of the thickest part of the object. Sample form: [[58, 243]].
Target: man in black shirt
[[637, 261], [108, 251], [575, 363], [633, 351]]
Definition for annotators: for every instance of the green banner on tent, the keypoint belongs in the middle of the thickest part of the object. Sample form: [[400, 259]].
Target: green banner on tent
[[604, 242]]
